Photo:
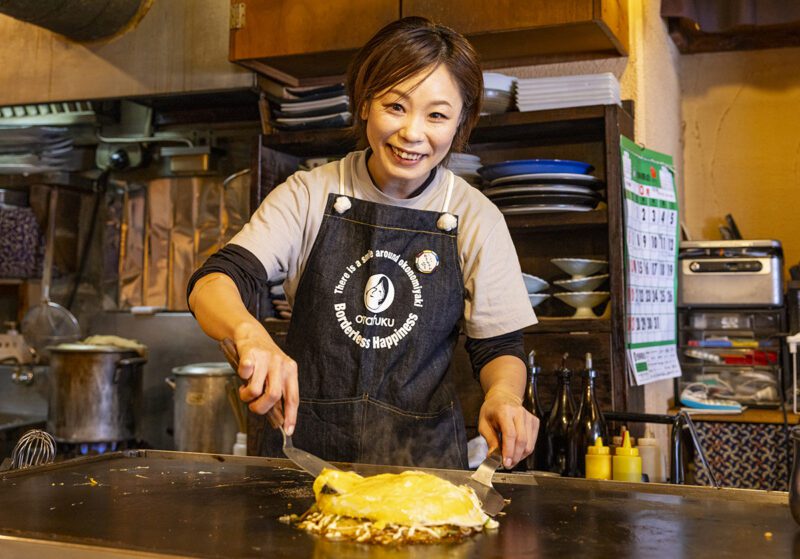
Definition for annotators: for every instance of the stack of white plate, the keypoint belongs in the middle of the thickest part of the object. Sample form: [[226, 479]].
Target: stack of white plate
[[466, 166], [536, 94], [498, 93], [304, 108], [528, 186]]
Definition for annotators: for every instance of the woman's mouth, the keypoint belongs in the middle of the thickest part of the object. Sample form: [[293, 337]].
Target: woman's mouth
[[405, 156]]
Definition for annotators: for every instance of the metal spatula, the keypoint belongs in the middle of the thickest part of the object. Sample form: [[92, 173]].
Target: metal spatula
[[481, 482], [305, 460]]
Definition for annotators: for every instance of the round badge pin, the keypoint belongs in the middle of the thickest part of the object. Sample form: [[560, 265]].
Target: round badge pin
[[426, 261]]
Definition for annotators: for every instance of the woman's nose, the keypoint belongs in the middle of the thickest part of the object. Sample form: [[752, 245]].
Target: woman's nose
[[412, 129]]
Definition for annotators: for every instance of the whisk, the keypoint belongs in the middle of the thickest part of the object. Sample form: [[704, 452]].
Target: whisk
[[34, 448]]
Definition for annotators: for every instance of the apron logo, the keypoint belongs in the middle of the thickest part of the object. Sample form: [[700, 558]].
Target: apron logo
[[378, 293], [426, 261]]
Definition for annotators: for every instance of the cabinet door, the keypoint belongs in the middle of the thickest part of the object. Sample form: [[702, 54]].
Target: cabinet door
[[531, 30], [274, 28], [479, 16]]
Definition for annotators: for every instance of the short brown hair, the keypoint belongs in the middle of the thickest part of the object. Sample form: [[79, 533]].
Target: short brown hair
[[403, 49]]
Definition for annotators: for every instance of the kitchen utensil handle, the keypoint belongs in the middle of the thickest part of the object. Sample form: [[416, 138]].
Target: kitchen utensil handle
[[275, 414], [49, 242], [128, 362]]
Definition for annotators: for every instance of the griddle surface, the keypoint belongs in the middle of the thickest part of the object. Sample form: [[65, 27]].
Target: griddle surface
[[221, 506]]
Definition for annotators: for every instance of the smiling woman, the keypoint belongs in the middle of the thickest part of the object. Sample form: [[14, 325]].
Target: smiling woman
[[411, 128], [401, 57], [385, 256]]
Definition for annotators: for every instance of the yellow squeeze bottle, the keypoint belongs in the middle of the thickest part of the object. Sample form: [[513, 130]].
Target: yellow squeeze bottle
[[627, 462], [598, 461]]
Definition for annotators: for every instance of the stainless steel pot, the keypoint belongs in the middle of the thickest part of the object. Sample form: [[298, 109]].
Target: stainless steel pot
[[204, 419], [95, 393]]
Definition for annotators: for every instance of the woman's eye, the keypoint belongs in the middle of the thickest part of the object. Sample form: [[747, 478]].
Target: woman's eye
[[396, 107], [439, 116]]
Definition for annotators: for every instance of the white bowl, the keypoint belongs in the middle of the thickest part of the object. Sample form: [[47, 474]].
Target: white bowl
[[584, 301], [580, 267], [536, 298], [589, 283], [534, 284], [495, 101]]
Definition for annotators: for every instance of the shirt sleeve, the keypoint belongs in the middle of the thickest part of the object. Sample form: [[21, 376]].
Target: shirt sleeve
[[481, 351], [242, 267], [275, 231], [497, 301]]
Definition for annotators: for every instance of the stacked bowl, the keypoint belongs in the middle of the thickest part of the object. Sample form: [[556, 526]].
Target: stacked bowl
[[498, 93], [535, 285], [587, 275]]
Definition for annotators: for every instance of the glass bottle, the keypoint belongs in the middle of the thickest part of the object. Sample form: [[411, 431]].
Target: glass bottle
[[559, 421], [588, 424], [538, 459]]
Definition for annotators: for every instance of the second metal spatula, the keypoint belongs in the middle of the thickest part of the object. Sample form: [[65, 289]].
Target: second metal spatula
[[305, 460], [481, 482]]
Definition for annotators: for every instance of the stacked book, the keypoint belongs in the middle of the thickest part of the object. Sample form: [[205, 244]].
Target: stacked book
[[536, 94], [305, 108]]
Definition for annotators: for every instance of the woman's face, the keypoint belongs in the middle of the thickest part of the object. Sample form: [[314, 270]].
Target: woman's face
[[410, 129]]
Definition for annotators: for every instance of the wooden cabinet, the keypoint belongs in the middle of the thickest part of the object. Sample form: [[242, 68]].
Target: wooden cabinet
[[299, 40], [303, 42], [515, 32], [588, 134]]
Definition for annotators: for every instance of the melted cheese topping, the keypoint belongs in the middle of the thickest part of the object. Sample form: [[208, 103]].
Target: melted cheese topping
[[411, 498]]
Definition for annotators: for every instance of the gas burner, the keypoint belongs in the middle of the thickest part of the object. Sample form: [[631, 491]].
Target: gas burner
[[76, 450]]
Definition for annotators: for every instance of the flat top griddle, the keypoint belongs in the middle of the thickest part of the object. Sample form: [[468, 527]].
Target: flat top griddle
[[145, 503]]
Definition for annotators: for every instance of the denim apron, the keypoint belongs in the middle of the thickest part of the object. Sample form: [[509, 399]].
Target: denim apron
[[373, 328]]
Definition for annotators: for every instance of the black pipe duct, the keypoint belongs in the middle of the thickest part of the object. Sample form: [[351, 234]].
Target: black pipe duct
[[79, 20]]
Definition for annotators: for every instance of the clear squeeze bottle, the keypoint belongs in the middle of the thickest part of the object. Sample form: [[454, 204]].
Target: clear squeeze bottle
[[598, 461], [588, 424], [652, 459], [627, 464], [533, 403], [558, 422]]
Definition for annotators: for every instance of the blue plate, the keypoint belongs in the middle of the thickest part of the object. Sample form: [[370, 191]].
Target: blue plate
[[531, 166]]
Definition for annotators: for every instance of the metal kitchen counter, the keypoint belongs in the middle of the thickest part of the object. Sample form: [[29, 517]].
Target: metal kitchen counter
[[157, 503]]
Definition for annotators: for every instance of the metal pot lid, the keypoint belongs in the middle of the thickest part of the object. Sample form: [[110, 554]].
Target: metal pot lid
[[78, 347], [204, 369]]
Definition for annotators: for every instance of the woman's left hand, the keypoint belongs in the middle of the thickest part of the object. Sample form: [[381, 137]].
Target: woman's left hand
[[502, 414]]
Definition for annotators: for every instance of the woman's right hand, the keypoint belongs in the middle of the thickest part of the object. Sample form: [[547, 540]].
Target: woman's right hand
[[270, 374]]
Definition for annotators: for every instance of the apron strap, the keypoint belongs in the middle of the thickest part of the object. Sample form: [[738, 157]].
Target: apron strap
[[342, 203], [446, 221]]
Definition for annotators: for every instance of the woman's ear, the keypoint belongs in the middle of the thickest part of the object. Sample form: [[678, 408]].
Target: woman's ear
[[365, 110]]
